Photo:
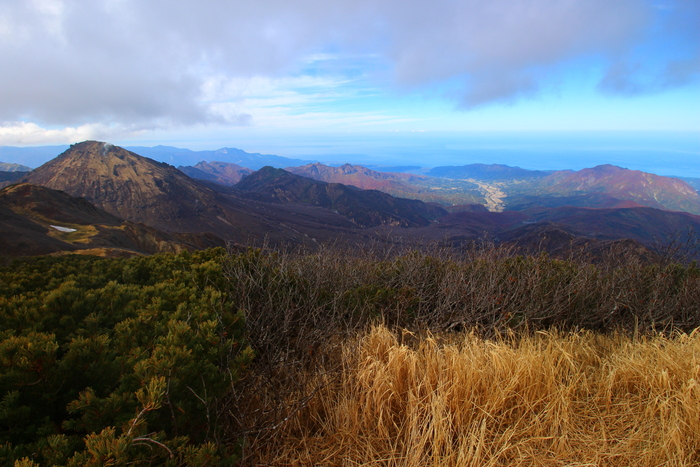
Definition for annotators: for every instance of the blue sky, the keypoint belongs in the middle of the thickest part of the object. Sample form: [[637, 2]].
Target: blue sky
[[363, 77]]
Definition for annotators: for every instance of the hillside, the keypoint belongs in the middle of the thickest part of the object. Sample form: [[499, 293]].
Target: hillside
[[403, 185], [365, 208], [139, 189], [223, 173], [11, 167], [603, 186], [358, 176], [130, 186], [647, 225], [39, 220], [628, 185], [10, 177], [279, 207]]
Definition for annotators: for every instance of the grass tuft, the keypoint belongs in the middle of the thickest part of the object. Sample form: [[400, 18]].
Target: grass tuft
[[547, 398]]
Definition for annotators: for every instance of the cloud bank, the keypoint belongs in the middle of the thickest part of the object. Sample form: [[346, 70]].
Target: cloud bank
[[150, 64]]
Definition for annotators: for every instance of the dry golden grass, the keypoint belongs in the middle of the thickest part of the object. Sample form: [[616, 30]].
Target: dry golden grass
[[547, 399]]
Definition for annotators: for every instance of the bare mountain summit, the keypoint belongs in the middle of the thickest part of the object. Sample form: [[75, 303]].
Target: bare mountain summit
[[129, 186], [139, 189]]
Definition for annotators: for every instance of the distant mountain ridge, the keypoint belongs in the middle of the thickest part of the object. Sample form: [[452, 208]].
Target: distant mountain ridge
[[276, 206], [11, 167], [366, 208], [487, 172], [402, 185], [600, 186], [140, 189], [187, 157], [224, 173], [155, 193], [640, 187]]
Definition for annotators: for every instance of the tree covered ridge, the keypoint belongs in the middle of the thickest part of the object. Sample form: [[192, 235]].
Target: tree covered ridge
[[117, 360]]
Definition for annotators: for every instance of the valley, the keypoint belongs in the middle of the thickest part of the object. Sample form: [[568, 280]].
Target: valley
[[493, 195], [220, 315], [215, 203]]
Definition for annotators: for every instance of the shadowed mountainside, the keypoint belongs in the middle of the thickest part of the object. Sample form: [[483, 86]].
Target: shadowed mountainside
[[403, 185], [10, 177], [142, 190], [366, 208], [39, 220]]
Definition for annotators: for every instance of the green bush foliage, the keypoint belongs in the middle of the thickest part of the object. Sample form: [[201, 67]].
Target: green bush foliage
[[113, 361], [121, 361]]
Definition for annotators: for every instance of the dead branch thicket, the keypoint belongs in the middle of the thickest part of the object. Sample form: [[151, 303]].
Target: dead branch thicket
[[301, 309]]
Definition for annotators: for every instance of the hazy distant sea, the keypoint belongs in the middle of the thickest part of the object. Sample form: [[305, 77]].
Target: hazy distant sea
[[663, 153]]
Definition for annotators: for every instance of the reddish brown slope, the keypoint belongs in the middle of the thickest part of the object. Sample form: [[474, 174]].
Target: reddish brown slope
[[630, 185]]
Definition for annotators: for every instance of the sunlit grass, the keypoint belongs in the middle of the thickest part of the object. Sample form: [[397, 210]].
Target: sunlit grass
[[544, 399]]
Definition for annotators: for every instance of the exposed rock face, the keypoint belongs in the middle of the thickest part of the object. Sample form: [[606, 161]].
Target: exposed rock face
[[127, 185], [142, 190]]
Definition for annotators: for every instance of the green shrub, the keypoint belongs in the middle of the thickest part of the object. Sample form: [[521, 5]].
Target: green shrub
[[117, 360]]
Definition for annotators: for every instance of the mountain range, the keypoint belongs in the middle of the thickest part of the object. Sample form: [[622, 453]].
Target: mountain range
[[111, 197], [602, 186], [223, 173], [365, 208], [185, 157]]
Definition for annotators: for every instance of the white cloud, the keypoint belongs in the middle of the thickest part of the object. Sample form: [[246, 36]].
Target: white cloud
[[27, 133], [158, 63]]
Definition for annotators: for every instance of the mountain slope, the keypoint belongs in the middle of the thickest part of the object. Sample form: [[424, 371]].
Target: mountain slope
[[11, 167], [8, 178], [643, 224], [402, 185], [223, 173], [130, 186], [358, 176], [365, 208], [39, 220], [640, 187], [142, 190]]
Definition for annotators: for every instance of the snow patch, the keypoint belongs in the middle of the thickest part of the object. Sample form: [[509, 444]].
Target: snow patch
[[63, 229]]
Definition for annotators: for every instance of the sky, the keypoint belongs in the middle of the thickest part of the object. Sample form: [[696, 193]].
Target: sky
[[388, 80]]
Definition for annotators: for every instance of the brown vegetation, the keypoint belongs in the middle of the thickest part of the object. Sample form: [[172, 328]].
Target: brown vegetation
[[544, 399], [465, 366]]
